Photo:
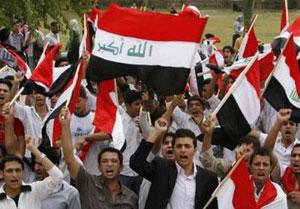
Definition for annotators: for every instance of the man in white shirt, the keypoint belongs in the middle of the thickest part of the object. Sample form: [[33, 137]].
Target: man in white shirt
[[14, 194], [52, 38]]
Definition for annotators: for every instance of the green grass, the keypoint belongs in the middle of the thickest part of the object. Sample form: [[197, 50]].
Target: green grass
[[220, 23]]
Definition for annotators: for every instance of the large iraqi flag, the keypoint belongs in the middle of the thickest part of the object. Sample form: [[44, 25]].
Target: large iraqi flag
[[283, 89], [158, 48]]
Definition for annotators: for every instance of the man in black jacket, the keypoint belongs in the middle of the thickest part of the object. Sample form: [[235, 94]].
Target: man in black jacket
[[177, 184]]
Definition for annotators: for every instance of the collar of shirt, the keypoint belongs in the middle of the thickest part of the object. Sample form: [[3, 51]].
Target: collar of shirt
[[256, 196], [291, 145], [180, 171], [101, 184], [24, 188]]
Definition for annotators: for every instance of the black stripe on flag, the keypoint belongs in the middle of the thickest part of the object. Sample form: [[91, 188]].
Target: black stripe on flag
[[163, 80], [277, 97]]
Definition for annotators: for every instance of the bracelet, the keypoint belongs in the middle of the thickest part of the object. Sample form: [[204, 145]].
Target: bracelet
[[42, 157]]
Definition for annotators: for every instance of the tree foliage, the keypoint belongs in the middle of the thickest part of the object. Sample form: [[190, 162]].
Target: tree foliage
[[37, 12]]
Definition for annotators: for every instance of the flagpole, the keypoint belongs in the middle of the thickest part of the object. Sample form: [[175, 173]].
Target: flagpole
[[277, 63], [223, 181], [73, 84], [4, 68], [203, 73], [235, 85]]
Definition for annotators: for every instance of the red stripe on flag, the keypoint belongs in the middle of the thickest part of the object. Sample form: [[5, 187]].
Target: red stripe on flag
[[253, 76], [150, 25], [251, 45], [284, 15], [295, 27]]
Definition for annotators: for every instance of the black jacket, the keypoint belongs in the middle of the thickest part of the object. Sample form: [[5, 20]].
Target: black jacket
[[163, 173]]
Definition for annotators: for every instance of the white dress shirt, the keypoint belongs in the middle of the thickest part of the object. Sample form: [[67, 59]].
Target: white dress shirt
[[184, 191]]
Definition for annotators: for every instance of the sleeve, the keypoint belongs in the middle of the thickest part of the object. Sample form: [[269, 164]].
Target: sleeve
[[44, 188], [20, 112], [74, 199], [218, 165], [139, 163], [82, 179], [213, 102], [262, 138], [145, 125], [179, 116]]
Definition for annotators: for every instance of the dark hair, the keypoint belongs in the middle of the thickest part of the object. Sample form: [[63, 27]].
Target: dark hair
[[6, 82], [10, 158], [250, 140], [262, 152], [209, 35], [229, 48], [60, 60], [113, 150], [196, 98], [168, 134], [131, 96], [3, 149], [182, 132], [295, 146], [53, 23]]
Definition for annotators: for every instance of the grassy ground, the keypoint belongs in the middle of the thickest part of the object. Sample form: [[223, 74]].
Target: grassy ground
[[221, 22]]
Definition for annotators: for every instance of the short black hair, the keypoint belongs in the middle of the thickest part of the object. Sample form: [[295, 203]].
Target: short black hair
[[229, 48], [196, 98], [131, 96], [262, 152], [295, 146], [183, 132], [10, 158], [60, 60], [168, 134], [250, 140], [113, 150], [6, 82]]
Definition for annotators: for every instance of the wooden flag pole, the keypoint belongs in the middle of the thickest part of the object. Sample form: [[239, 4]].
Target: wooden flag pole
[[223, 181], [16, 96], [203, 73], [235, 85]]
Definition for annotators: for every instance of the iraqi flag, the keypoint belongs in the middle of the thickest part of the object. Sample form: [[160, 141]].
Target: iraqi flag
[[284, 23], [107, 117], [47, 79], [13, 60], [51, 130], [249, 45], [284, 86], [241, 109], [158, 48]]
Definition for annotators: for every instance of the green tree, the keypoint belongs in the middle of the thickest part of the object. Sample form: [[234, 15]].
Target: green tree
[[37, 12]]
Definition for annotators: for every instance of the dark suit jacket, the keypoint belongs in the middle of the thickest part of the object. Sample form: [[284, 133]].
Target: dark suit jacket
[[163, 173]]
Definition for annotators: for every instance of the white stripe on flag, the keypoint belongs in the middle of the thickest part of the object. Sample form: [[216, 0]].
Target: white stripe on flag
[[117, 132], [225, 195], [136, 51], [282, 74], [246, 97]]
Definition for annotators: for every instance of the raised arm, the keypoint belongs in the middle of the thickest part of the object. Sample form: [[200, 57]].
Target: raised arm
[[283, 116], [66, 142], [208, 126]]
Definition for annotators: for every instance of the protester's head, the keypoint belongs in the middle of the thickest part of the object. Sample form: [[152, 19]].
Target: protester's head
[[40, 172], [54, 27], [133, 102], [62, 62], [288, 131], [5, 87], [16, 27], [184, 146], [12, 168], [195, 105], [4, 34], [247, 145], [295, 159], [166, 146], [81, 105], [260, 165], [39, 99], [110, 162], [228, 53], [54, 99]]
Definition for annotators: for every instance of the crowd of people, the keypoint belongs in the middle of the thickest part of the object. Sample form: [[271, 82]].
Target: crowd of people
[[162, 163]]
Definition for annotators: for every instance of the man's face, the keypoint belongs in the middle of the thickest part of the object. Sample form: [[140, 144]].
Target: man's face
[[81, 105], [184, 151], [4, 93], [133, 109], [15, 28], [295, 160], [13, 174], [195, 108], [260, 168], [110, 165], [39, 99], [40, 171], [167, 149], [54, 99], [55, 28], [288, 131], [227, 55]]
